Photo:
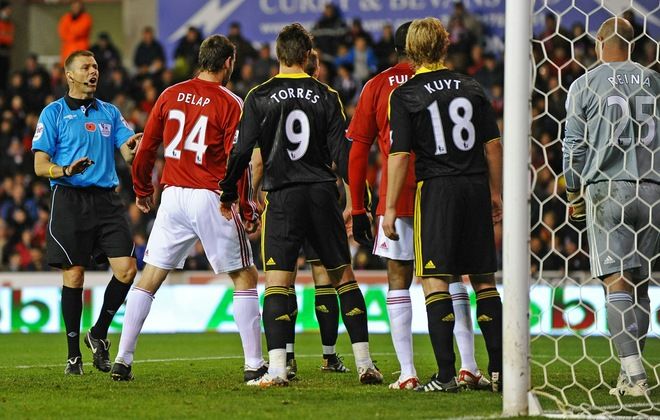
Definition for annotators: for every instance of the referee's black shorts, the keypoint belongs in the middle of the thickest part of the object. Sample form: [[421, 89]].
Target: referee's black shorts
[[302, 212], [453, 227], [87, 223]]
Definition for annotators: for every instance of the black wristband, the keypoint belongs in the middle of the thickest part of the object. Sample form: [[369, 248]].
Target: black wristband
[[64, 168], [228, 196]]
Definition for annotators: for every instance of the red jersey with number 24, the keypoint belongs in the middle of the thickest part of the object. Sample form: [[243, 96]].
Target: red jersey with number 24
[[196, 122]]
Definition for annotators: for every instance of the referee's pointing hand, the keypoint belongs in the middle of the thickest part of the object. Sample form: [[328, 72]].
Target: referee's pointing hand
[[388, 224], [134, 141]]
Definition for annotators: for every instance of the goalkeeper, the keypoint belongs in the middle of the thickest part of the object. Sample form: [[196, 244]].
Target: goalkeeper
[[612, 169]]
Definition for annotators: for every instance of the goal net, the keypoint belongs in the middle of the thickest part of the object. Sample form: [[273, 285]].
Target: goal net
[[574, 365]]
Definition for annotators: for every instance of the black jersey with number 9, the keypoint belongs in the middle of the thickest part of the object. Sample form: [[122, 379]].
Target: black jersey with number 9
[[445, 118], [299, 125]]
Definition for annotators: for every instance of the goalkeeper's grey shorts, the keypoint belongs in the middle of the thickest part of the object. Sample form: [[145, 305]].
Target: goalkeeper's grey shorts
[[623, 227]]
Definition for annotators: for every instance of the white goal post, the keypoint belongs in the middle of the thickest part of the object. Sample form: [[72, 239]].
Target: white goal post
[[516, 257]]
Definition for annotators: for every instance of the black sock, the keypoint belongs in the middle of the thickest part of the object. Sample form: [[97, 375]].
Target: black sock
[[327, 314], [115, 295], [291, 331], [489, 317], [354, 311], [277, 319], [72, 312], [440, 314]]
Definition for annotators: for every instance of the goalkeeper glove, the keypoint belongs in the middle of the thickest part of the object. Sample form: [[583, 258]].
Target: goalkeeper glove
[[576, 206], [362, 230]]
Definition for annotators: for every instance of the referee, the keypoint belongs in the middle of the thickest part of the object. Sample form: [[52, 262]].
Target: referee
[[74, 145]]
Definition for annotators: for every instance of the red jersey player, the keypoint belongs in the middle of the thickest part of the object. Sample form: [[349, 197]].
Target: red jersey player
[[196, 122], [370, 122]]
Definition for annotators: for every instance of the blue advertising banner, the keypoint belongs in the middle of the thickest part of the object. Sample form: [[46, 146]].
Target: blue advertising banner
[[261, 20]]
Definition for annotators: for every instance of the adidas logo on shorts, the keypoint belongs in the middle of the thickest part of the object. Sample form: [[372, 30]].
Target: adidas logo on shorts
[[609, 260]]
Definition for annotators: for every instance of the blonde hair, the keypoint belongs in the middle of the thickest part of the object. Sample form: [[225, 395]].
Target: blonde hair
[[427, 42]]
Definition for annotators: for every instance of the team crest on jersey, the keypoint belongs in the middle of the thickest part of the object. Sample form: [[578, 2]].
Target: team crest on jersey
[[38, 132], [105, 129], [91, 127]]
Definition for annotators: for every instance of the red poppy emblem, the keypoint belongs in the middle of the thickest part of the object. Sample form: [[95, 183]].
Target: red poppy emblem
[[90, 127]]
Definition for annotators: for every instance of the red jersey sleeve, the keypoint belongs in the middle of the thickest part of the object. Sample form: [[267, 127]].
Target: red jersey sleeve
[[363, 130], [143, 163]]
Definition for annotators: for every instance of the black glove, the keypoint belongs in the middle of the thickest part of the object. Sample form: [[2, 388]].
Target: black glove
[[362, 232]]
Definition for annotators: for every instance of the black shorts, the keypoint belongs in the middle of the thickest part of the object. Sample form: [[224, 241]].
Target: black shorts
[[453, 227], [303, 212], [87, 223], [310, 253]]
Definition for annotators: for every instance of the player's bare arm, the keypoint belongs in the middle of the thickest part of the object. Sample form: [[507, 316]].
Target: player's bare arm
[[130, 147], [144, 204], [396, 175], [493, 151], [44, 167]]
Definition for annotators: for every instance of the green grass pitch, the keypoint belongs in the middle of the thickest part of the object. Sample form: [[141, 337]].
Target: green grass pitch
[[200, 376]]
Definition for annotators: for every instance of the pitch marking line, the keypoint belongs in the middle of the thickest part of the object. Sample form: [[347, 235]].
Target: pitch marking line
[[183, 359]]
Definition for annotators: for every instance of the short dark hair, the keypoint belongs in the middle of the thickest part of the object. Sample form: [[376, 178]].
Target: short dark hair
[[293, 44], [213, 53], [79, 53], [400, 38]]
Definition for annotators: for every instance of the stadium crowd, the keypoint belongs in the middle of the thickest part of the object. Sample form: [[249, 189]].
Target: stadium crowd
[[349, 57]]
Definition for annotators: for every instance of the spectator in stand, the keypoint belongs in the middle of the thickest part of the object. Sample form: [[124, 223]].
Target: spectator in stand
[[328, 31], [6, 42], [106, 54], [148, 51], [33, 67], [490, 74], [74, 29], [57, 83], [362, 60], [185, 54], [356, 31], [384, 48], [245, 52], [476, 60], [264, 64], [246, 81], [468, 21], [345, 84]]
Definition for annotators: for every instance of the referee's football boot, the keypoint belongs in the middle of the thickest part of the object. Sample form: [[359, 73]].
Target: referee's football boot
[[291, 369], [334, 363], [370, 375], [100, 352], [434, 385], [74, 366], [250, 374], [121, 371]]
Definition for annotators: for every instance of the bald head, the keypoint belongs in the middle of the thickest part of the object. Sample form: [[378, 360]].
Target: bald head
[[616, 35]]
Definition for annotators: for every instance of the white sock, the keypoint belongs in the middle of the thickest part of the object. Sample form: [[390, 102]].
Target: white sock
[[248, 321], [362, 355], [290, 348], [277, 363], [399, 310], [138, 305], [634, 368], [463, 325], [329, 350]]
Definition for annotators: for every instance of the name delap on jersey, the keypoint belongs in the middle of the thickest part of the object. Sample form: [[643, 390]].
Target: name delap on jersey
[[191, 99], [291, 93], [437, 85]]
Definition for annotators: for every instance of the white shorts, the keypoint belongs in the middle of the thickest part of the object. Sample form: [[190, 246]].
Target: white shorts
[[187, 214], [401, 250]]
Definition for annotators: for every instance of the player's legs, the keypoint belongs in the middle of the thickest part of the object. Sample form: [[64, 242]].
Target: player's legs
[[277, 321], [399, 310], [291, 365], [440, 315], [489, 317], [72, 288], [248, 318], [463, 326], [326, 307], [138, 305]]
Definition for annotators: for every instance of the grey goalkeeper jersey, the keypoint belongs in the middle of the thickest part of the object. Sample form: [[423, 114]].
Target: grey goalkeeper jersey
[[612, 126]]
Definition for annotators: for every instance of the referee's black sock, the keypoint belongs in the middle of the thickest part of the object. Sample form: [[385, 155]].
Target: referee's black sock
[[277, 319], [327, 314], [115, 295], [354, 311], [291, 331], [440, 314], [489, 317], [72, 312]]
